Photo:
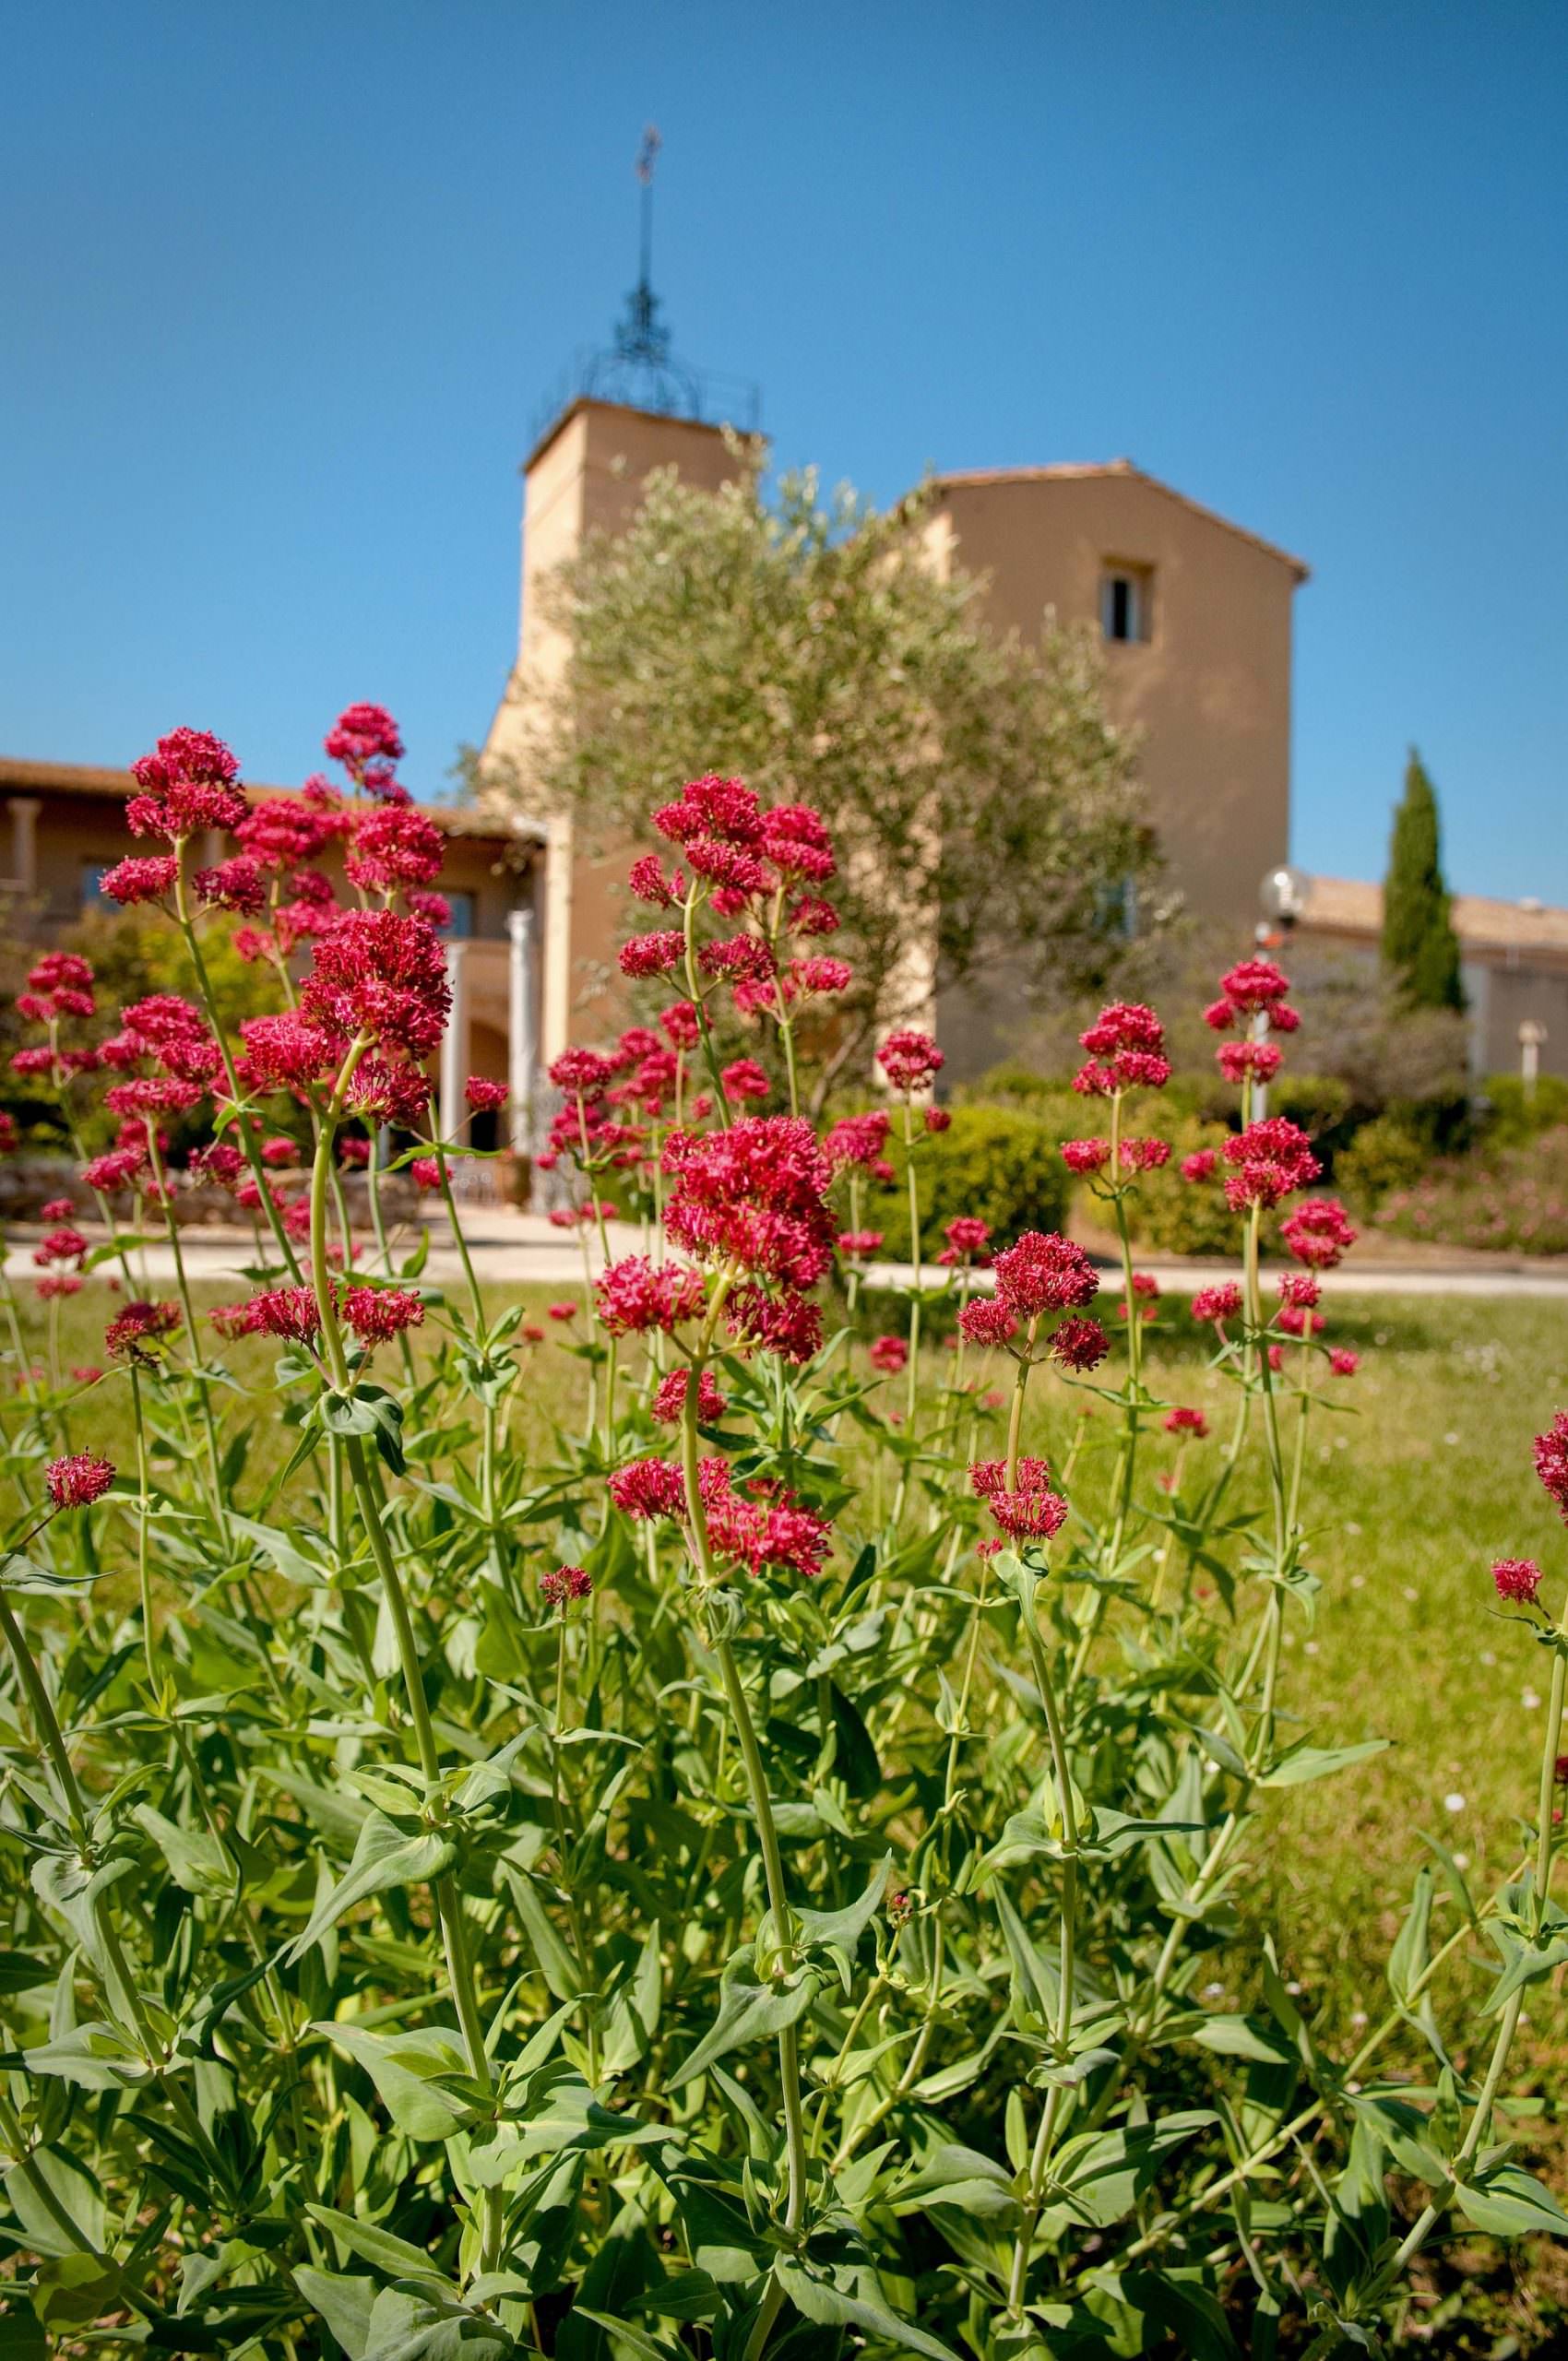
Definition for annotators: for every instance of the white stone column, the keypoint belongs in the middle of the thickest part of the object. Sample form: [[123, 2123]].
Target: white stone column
[[522, 1044], [25, 809], [455, 1044], [557, 1024]]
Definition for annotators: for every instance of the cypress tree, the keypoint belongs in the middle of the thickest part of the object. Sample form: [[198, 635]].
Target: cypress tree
[[1420, 949]]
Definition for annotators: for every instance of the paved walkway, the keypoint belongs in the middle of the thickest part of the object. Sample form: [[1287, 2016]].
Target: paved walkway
[[517, 1248]]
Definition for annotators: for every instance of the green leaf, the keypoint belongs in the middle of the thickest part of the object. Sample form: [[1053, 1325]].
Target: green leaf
[[407, 2069], [1305, 1763], [344, 2303], [1102, 2174], [394, 2256], [1187, 2311], [830, 2306], [1233, 2036], [625, 2338], [78, 2193], [385, 1856], [840, 1930], [197, 1863], [22, 2336], [748, 2012], [1508, 2204]]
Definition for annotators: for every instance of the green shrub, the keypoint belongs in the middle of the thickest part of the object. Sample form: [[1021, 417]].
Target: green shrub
[[1514, 1114], [998, 1162], [1391, 1152]]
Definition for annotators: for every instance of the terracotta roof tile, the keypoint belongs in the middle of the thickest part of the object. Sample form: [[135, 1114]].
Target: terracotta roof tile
[[1353, 906]]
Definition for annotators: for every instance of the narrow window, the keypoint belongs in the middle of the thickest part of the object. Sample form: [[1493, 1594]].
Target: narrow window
[[1124, 602]]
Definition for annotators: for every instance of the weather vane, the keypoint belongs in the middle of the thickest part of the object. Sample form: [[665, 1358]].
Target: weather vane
[[640, 337]]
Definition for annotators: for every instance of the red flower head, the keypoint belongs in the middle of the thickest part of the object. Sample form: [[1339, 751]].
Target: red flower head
[[137, 1333], [1078, 1343], [889, 1354], [484, 1096], [965, 1234], [858, 1139], [1200, 1165], [565, 1585], [767, 1530], [636, 1296], [282, 831], [650, 884], [811, 915], [1238, 1059], [561, 1312], [1144, 1155], [581, 1074], [1187, 1422], [63, 1245], [382, 975], [362, 735], [795, 839], [986, 1321], [856, 1245], [745, 1079], [757, 1195], [141, 877], [389, 1094], [1270, 1159], [57, 1209], [806, 979], [287, 1052], [1343, 1362], [395, 846], [668, 1403], [1084, 1156], [76, 1482], [1298, 1292], [1030, 1513], [291, 1313], [648, 1488], [1296, 1320], [1126, 1044], [789, 1325], [910, 1060], [187, 784], [1318, 1232], [722, 808], [1217, 1304], [937, 1119], [1045, 1273], [424, 1171], [1517, 1580], [377, 1314], [1253, 985], [236, 884], [680, 1025]]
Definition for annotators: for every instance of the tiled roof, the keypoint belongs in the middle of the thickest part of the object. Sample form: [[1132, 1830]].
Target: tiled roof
[[1353, 906], [20, 776], [1069, 472]]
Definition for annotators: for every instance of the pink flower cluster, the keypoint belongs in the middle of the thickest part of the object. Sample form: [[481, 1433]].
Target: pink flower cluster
[[1126, 1046]]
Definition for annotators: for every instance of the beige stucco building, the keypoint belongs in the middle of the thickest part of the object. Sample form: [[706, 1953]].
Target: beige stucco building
[[1194, 613]]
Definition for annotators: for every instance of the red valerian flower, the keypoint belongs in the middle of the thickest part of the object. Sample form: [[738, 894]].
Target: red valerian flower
[[236, 884], [811, 915], [857, 1139], [63, 1245], [1079, 1344], [856, 1245], [1086, 1155], [636, 1296], [377, 1314], [561, 1312], [393, 845], [650, 884], [744, 1078], [669, 1404], [1144, 1155], [364, 734], [789, 1325], [1550, 1455], [1517, 1580], [967, 1234], [754, 1195], [1238, 1059], [114, 1170], [1296, 1319], [57, 1209], [141, 877], [889, 1353], [187, 784], [1343, 1362], [282, 831], [86, 1373], [1271, 1159], [1126, 1044], [291, 1313], [565, 1585], [680, 1025], [287, 1052], [1186, 1422], [729, 866], [1318, 1232], [424, 1171], [137, 1332], [166, 1027], [808, 976], [765, 1529], [726, 808], [389, 1093], [58, 1283], [484, 1096], [382, 975], [986, 1321], [938, 1119], [909, 1058], [1217, 1304], [353, 1154], [1298, 1290], [795, 839], [77, 1481], [153, 1094], [648, 1488], [739, 957], [61, 971], [1045, 1273], [582, 1073], [1032, 1511]]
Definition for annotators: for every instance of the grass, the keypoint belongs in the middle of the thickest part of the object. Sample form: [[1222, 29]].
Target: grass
[[1422, 1479]]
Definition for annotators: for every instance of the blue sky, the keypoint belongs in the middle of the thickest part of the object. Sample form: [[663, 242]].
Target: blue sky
[[283, 287]]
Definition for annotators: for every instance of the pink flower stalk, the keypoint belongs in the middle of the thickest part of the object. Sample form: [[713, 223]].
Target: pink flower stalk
[[1238, 1061], [857, 1245], [484, 1096], [1079, 1344], [1126, 1046], [986, 1319], [565, 1585], [394, 846], [1045, 1273], [77, 1481], [889, 1353], [1032, 1511], [1186, 1422], [668, 1405], [380, 975], [1343, 1362], [910, 1060], [648, 1488], [857, 1139], [638, 1296], [134, 1334], [1519, 1580], [1084, 1156], [362, 735], [1318, 1232], [1550, 1455], [744, 1078], [755, 1195]]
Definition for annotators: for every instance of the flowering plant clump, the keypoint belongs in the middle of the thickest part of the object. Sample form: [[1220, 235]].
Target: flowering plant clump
[[743, 1876]]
